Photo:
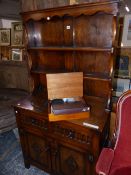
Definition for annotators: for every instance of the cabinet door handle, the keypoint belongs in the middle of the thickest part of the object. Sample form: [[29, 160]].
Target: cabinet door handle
[[55, 153], [33, 121], [45, 127], [47, 149], [91, 158]]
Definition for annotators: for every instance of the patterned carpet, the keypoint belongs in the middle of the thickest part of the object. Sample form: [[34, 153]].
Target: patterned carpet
[[11, 159]]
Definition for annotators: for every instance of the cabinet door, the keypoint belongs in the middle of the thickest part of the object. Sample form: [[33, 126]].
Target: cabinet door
[[39, 151], [74, 162]]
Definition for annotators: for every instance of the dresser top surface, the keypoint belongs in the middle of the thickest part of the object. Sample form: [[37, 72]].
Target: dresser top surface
[[39, 107]]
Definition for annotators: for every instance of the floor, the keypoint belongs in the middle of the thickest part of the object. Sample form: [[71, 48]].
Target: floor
[[11, 159]]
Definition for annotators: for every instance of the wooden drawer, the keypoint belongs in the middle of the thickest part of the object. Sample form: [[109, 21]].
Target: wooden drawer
[[34, 122], [31, 120], [71, 134], [85, 138]]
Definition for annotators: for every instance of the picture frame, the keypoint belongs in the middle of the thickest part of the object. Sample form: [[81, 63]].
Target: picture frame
[[120, 85], [126, 36], [122, 66], [4, 36], [73, 2], [16, 34], [16, 54]]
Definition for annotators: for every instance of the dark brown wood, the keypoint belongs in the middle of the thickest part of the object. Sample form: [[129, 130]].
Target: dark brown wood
[[81, 144], [72, 49], [74, 10], [77, 38], [65, 85]]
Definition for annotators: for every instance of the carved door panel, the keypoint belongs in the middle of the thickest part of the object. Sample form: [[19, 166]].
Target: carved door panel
[[39, 151], [73, 162]]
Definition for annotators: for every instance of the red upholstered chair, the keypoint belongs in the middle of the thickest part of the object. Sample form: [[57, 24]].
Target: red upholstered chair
[[117, 160]]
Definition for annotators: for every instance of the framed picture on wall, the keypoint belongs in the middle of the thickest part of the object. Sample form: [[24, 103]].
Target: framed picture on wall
[[122, 67], [126, 37], [73, 2], [16, 34], [16, 54], [4, 37]]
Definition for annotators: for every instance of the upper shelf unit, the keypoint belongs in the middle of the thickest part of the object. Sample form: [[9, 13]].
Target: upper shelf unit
[[78, 27], [109, 7], [77, 38]]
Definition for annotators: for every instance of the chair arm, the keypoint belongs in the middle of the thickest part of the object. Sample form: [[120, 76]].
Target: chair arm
[[104, 161], [126, 170]]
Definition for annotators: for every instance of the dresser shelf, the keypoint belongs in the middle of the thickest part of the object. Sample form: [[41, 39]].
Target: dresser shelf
[[88, 49]]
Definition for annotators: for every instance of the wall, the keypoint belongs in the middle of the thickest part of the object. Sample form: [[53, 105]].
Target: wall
[[6, 23], [10, 9]]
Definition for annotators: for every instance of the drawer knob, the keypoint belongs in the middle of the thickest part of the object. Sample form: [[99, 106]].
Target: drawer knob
[[71, 135], [91, 158], [33, 121]]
